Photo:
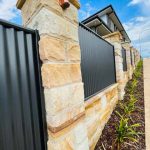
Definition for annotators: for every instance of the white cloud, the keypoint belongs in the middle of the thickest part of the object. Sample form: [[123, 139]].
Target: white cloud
[[143, 4], [86, 11], [134, 2], [8, 10], [138, 30]]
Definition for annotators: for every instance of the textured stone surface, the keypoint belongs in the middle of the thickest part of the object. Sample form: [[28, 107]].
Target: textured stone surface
[[52, 49], [71, 13], [71, 139], [63, 116], [52, 24], [60, 74], [113, 37], [73, 51], [98, 110], [60, 98], [53, 5]]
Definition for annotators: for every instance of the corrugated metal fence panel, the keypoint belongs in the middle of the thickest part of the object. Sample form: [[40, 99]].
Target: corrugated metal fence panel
[[22, 123], [97, 62], [124, 59], [131, 57]]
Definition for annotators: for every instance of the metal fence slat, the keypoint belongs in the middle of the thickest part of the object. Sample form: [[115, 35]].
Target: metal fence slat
[[97, 62]]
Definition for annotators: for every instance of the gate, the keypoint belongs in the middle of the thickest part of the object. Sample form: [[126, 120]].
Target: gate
[[22, 111]]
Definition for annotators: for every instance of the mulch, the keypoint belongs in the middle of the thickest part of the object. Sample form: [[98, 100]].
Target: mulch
[[108, 136]]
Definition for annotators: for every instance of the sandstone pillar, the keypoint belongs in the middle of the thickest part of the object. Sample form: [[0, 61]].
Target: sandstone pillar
[[61, 72], [115, 39], [133, 58], [127, 46]]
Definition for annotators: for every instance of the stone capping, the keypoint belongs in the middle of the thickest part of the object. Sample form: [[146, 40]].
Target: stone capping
[[75, 3], [66, 124], [100, 94], [126, 45], [20, 3], [113, 34]]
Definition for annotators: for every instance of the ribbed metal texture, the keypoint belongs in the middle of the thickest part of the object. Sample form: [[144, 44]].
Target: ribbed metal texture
[[22, 123], [124, 59], [134, 57], [97, 62], [131, 57]]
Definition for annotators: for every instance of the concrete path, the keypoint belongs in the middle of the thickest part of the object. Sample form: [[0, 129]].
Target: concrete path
[[147, 100]]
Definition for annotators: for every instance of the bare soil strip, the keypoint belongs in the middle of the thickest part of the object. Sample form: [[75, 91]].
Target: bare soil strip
[[109, 134]]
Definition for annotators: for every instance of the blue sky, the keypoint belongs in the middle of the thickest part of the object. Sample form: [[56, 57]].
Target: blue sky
[[134, 15]]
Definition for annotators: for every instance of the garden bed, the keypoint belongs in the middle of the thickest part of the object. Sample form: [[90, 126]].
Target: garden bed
[[134, 138]]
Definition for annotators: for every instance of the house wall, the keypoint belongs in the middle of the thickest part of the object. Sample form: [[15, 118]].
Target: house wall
[[108, 22], [104, 18]]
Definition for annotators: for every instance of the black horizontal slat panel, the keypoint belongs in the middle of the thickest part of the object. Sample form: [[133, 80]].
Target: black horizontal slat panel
[[124, 59], [97, 62], [22, 125]]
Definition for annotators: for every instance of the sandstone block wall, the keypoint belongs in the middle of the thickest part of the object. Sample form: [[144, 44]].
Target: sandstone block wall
[[98, 110], [73, 124], [61, 72]]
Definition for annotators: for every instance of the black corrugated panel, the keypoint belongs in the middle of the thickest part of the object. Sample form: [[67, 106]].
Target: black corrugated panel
[[124, 59], [22, 112], [97, 62], [131, 57]]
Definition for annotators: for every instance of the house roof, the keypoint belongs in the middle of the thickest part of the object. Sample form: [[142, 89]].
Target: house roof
[[109, 10]]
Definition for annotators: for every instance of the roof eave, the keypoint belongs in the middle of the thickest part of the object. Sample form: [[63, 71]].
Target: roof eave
[[113, 11]]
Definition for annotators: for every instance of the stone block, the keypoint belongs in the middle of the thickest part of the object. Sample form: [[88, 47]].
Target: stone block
[[80, 133], [83, 146], [117, 46], [73, 51], [54, 75], [65, 142], [35, 5], [111, 94], [71, 13], [50, 23], [103, 102], [118, 59], [64, 116], [53, 5], [70, 138], [59, 98], [113, 37], [52, 49], [92, 127]]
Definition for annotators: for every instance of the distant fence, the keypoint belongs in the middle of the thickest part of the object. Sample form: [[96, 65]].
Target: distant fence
[[124, 59], [131, 57], [97, 62]]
